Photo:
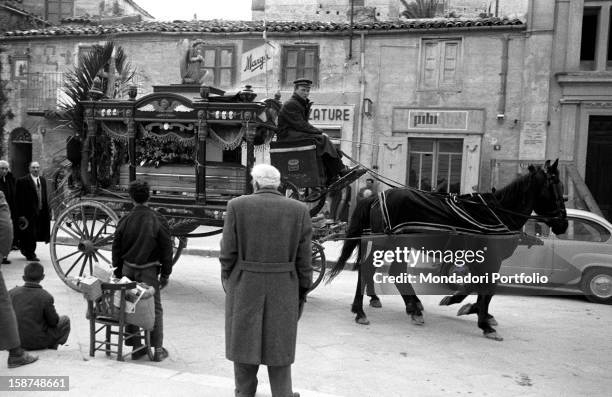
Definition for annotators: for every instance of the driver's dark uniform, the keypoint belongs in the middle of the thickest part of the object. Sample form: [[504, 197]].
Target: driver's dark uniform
[[293, 125]]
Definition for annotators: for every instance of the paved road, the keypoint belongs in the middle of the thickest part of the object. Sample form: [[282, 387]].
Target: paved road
[[552, 347]]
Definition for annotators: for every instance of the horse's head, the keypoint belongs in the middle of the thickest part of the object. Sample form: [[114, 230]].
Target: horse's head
[[548, 196]]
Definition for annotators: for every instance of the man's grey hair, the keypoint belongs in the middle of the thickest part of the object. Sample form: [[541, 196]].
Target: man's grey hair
[[266, 175], [4, 163]]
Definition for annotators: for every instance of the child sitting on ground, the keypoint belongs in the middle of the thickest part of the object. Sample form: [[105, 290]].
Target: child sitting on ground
[[40, 327]]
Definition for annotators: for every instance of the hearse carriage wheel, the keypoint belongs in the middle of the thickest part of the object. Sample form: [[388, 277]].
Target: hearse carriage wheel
[[315, 200], [82, 235], [318, 264]]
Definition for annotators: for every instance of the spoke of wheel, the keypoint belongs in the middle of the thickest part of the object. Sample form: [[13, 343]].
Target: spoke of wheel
[[106, 222], [67, 256], [70, 233], [90, 264], [93, 223], [103, 241], [99, 255], [76, 225], [83, 265], [66, 244], [84, 219], [74, 264]]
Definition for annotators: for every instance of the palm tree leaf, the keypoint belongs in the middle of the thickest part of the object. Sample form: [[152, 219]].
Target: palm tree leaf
[[420, 9]]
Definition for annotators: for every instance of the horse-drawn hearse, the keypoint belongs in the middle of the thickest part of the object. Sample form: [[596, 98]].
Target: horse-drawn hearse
[[195, 146]]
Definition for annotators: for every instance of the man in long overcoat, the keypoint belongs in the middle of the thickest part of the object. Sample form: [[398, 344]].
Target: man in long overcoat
[[266, 269], [293, 125], [9, 331], [7, 186], [32, 211]]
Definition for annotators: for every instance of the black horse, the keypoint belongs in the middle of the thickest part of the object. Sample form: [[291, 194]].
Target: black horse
[[504, 211]]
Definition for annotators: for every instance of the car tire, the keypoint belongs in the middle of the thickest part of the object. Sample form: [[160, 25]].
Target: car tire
[[597, 285]]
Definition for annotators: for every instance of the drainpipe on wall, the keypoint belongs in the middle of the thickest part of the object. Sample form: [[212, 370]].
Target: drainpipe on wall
[[361, 95], [501, 107], [350, 54]]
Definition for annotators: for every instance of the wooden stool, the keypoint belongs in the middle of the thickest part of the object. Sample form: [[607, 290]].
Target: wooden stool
[[112, 320]]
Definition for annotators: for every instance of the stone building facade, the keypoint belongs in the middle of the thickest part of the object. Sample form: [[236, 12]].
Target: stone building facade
[[56, 10], [428, 104], [581, 94]]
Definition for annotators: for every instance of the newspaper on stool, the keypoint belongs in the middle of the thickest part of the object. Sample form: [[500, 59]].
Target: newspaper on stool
[[139, 304]]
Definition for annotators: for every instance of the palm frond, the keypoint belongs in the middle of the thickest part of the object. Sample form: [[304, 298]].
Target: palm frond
[[420, 9], [78, 81]]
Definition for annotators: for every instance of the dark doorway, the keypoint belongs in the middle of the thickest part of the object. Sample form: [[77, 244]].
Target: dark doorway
[[598, 164], [21, 151]]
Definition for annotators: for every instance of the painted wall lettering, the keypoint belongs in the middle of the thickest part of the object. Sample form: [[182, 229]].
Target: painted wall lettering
[[330, 114]]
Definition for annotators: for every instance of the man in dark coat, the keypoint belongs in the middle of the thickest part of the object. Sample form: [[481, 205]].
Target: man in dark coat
[[33, 215], [142, 251], [40, 327], [7, 186], [293, 125], [9, 331], [265, 267]]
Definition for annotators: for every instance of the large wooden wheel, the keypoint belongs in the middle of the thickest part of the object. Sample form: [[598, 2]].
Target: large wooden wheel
[[318, 264], [82, 235]]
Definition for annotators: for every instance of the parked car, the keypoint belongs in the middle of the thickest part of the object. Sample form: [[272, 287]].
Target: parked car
[[579, 259]]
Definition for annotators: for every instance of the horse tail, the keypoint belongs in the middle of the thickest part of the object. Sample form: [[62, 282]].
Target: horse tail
[[360, 220]]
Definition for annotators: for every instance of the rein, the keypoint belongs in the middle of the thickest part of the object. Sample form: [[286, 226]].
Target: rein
[[491, 208]]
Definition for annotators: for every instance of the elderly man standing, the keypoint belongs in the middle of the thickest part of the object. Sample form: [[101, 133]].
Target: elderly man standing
[[33, 215], [142, 251], [7, 186], [265, 267]]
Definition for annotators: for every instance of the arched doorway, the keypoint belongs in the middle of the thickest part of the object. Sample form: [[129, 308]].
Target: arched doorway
[[21, 151]]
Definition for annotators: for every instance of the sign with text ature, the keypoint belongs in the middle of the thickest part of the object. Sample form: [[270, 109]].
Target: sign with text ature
[[331, 114]]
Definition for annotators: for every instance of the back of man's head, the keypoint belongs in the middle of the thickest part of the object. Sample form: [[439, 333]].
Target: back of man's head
[[33, 272], [139, 191], [265, 175]]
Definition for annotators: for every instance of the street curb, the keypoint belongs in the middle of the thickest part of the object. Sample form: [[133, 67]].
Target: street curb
[[214, 253]]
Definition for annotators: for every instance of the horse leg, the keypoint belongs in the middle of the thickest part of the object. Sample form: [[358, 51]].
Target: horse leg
[[375, 301], [357, 307], [414, 307], [457, 297], [483, 321]]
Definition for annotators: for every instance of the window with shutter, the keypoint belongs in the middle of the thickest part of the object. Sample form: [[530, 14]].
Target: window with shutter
[[219, 65], [56, 10], [440, 64], [300, 61]]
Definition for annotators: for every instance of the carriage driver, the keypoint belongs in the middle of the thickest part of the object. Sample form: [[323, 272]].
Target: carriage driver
[[293, 125]]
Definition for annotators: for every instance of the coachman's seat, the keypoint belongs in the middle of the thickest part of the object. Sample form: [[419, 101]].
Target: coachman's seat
[[298, 162]]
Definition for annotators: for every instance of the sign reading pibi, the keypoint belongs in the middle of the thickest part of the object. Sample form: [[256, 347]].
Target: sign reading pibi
[[437, 119]]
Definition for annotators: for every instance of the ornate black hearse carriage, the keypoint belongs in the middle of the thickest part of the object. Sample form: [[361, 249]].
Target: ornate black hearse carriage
[[195, 146]]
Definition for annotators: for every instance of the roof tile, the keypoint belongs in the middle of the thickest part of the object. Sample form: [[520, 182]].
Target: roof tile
[[84, 26]]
